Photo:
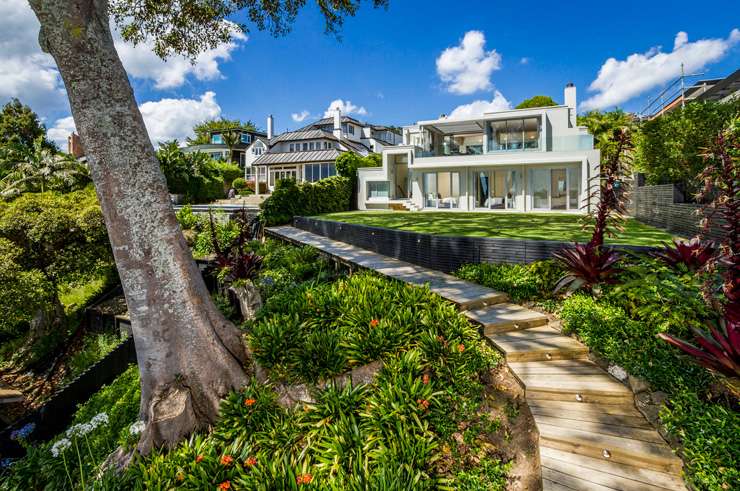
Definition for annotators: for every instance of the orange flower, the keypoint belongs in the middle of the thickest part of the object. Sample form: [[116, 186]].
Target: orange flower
[[180, 476], [374, 323], [199, 458], [225, 485], [249, 402], [461, 348], [227, 460], [250, 461], [425, 379], [423, 403], [304, 479]]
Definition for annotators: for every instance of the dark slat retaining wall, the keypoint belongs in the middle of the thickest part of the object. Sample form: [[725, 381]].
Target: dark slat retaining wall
[[440, 252]]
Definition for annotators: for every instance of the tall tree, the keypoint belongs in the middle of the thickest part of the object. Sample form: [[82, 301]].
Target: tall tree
[[203, 129], [189, 355], [20, 127]]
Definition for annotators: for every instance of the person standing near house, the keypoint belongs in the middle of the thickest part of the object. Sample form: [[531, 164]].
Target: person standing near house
[[232, 193]]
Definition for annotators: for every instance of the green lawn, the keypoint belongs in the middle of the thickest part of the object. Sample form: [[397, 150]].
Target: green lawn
[[535, 226]]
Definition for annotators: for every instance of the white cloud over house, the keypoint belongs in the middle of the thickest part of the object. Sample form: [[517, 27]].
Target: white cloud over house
[[346, 107], [480, 107], [300, 117], [467, 67], [619, 81], [165, 119]]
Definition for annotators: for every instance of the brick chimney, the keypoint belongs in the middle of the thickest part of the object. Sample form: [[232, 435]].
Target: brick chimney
[[74, 146]]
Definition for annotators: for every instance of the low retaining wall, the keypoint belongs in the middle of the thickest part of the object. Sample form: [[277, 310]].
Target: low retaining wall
[[661, 206], [440, 252], [57, 412]]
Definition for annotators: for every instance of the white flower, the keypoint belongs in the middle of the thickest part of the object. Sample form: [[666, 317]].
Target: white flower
[[60, 447], [80, 429], [618, 372], [99, 419], [137, 427]]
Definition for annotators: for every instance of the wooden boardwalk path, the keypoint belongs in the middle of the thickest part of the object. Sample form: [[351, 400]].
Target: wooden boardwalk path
[[591, 435]]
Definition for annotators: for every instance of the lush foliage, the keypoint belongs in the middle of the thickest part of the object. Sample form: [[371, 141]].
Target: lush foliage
[[603, 124], [587, 267], [202, 130], [692, 254], [233, 262], [199, 230], [94, 348], [670, 147], [522, 282], [348, 163], [537, 101], [76, 454], [20, 127], [195, 174], [308, 198]]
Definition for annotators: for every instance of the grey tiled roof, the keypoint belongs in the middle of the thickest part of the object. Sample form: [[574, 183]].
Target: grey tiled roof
[[328, 155], [302, 135]]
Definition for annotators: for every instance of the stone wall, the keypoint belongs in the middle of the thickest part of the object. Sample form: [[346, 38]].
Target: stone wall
[[661, 206]]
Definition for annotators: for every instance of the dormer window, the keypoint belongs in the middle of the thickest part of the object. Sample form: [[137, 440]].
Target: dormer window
[[217, 139], [245, 138]]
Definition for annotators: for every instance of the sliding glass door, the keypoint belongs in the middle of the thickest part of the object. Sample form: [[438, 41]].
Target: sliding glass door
[[442, 189], [498, 189], [555, 189]]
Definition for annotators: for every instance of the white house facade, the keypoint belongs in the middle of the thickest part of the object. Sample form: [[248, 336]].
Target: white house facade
[[531, 160]]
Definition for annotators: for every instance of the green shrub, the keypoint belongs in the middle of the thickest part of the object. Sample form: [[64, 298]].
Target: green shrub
[[239, 183], [94, 347], [186, 218], [535, 281], [41, 470], [289, 199], [229, 172]]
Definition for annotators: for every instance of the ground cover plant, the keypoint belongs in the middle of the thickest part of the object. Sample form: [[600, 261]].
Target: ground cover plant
[[533, 226]]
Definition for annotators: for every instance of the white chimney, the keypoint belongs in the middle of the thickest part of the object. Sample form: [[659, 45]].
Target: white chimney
[[338, 123], [571, 102], [269, 127]]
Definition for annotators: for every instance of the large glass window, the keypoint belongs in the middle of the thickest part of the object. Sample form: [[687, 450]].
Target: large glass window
[[279, 173], [558, 190], [316, 172], [377, 189], [540, 188], [515, 134], [498, 189], [482, 189], [574, 188], [430, 189], [442, 189], [555, 189]]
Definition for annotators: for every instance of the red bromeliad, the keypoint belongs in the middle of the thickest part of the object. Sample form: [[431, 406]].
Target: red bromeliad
[[694, 253]]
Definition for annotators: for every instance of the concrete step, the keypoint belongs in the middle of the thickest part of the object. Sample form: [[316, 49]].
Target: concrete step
[[505, 317], [558, 347], [599, 442], [585, 472]]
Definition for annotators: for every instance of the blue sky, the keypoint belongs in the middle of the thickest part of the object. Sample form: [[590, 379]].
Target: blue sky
[[386, 63]]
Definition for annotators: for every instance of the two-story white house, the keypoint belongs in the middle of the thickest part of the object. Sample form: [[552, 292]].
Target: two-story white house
[[309, 153], [534, 159]]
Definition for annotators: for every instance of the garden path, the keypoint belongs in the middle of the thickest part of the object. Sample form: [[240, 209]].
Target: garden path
[[591, 435]]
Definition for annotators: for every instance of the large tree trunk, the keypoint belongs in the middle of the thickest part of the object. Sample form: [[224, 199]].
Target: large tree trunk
[[189, 355]]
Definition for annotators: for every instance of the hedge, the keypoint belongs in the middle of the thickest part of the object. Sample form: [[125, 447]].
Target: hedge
[[309, 198]]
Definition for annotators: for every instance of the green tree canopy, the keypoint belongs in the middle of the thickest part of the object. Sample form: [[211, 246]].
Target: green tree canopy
[[19, 125], [537, 101], [602, 124], [203, 129], [671, 146]]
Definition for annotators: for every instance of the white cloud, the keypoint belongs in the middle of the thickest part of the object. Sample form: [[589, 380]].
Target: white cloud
[[346, 107], [165, 119], [32, 76], [62, 128], [478, 108], [619, 81], [467, 67], [25, 71], [141, 62], [524, 61], [300, 117]]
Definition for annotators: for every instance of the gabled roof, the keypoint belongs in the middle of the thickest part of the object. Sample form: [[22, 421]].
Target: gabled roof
[[276, 158]]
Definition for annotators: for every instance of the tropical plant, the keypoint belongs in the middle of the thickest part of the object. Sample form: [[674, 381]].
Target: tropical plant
[[234, 262], [718, 350], [694, 254], [231, 140], [42, 169], [537, 101], [603, 124], [203, 129], [592, 264]]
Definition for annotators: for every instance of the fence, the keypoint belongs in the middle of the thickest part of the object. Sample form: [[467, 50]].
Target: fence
[[444, 253], [661, 206]]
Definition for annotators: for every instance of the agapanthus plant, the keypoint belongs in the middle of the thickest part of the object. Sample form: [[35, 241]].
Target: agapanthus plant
[[590, 264], [694, 254]]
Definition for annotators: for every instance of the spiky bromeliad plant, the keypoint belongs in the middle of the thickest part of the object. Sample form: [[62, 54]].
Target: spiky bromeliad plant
[[719, 350], [695, 254], [237, 268], [591, 264]]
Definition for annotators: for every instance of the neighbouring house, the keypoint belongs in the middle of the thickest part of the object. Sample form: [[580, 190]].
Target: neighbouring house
[[534, 159], [74, 146], [309, 153], [246, 150], [717, 90]]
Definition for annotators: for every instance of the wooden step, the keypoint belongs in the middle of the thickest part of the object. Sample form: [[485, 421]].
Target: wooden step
[[610, 474], [555, 367], [505, 317], [10, 396], [607, 426], [624, 450], [623, 415], [586, 388], [541, 349]]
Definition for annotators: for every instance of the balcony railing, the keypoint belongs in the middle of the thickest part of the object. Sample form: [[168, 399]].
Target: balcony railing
[[572, 143]]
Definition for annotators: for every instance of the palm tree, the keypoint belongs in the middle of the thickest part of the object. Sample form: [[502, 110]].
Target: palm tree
[[40, 169]]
